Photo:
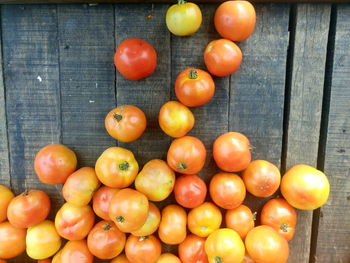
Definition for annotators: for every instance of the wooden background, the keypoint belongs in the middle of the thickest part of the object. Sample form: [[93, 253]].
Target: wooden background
[[291, 96]]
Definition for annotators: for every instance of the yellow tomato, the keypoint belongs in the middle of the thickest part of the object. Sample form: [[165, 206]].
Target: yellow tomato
[[152, 222], [168, 258], [5, 198], [58, 257]]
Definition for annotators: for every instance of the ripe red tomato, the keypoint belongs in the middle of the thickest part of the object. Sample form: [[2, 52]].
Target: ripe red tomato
[[231, 152], [240, 219], [235, 20], [186, 155], [261, 178], [146, 249], [12, 240], [28, 208], [120, 259], [101, 200], [190, 190], [227, 190], [152, 222], [191, 250], [5, 198], [54, 163], [76, 252], [281, 216], [222, 57], [126, 123], [194, 87], [135, 58]]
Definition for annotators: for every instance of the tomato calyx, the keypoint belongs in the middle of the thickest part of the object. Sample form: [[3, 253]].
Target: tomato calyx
[[124, 166], [193, 74], [284, 227], [142, 238], [182, 166], [120, 219], [106, 226], [25, 193], [181, 2], [218, 259], [118, 117]]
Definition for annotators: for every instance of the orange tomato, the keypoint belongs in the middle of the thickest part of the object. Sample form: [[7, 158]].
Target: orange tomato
[[126, 123], [204, 219], [2, 261], [186, 155], [305, 187], [101, 200], [235, 20], [54, 163], [12, 240], [46, 260], [116, 167], [156, 180], [5, 198], [172, 228], [121, 259], [76, 252], [168, 258], [57, 257], [248, 259], [240, 219], [129, 209], [105, 240], [145, 249], [227, 190], [152, 222], [191, 250]]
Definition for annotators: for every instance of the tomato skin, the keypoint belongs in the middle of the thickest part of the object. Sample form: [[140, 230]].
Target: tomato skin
[[121, 259], [2, 261], [128, 209], [46, 260], [168, 258], [190, 190], [224, 245], [74, 222], [142, 249], [135, 58], [191, 250], [281, 216], [76, 252], [240, 219], [54, 163], [57, 257], [227, 190], [126, 123], [183, 19], [80, 186], [42, 240], [305, 187], [186, 155], [231, 152], [235, 20], [101, 200], [247, 259], [5, 198], [29, 208], [265, 245], [12, 240], [152, 222], [172, 228], [116, 167], [156, 180]]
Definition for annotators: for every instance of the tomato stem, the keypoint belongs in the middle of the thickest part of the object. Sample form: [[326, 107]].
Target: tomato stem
[[217, 259], [124, 166], [120, 219], [182, 166], [142, 238], [25, 193], [254, 216], [193, 74], [181, 2], [118, 117], [284, 227], [107, 226]]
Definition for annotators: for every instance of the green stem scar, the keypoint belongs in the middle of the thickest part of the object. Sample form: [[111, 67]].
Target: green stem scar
[[181, 2], [142, 238], [217, 259], [106, 227], [182, 166], [118, 117], [284, 227], [124, 166], [120, 219], [193, 74]]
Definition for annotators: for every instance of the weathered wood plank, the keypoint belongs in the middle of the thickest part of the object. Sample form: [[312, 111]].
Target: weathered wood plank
[[333, 242]]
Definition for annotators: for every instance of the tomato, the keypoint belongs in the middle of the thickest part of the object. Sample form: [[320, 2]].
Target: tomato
[[227, 190], [28, 208], [235, 20], [224, 246], [146, 249], [5, 198], [105, 240], [74, 222], [101, 200], [76, 252], [46, 260], [305, 187], [183, 19], [222, 57], [204, 219], [129, 209], [42, 240], [116, 167], [12, 240], [152, 222], [156, 180], [168, 258], [247, 259], [2, 261], [172, 228], [175, 119], [190, 190], [54, 163], [126, 123], [120, 259], [191, 250], [186, 155], [231, 152], [265, 245], [135, 58], [194, 87], [281, 216], [240, 219], [57, 257]]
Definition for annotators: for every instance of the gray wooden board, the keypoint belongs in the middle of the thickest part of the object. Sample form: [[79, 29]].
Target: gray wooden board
[[333, 242]]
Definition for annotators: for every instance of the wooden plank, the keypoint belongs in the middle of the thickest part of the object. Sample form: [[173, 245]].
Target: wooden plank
[[305, 106], [333, 242], [86, 46]]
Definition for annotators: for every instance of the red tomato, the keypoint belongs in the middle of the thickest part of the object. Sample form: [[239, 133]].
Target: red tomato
[[28, 208], [231, 152], [142, 249], [54, 163], [101, 200], [120, 259], [186, 155], [191, 250], [5, 198], [126, 123], [12, 240], [190, 190], [235, 20], [240, 219], [135, 59], [194, 87], [76, 252]]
